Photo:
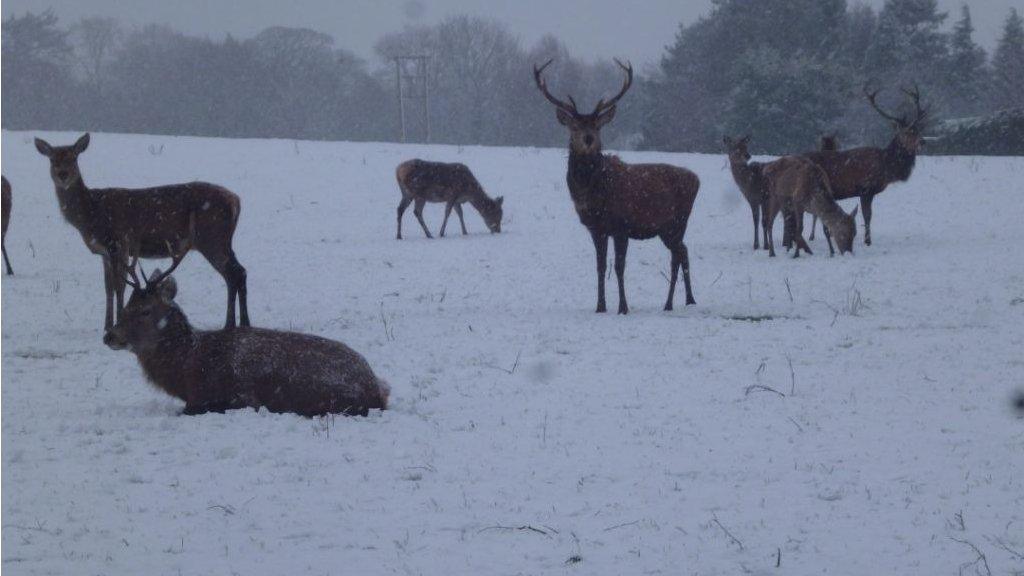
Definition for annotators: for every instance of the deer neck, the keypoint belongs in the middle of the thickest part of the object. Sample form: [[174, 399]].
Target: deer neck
[[165, 363], [76, 203], [585, 172], [899, 162], [827, 209], [479, 200], [746, 175]]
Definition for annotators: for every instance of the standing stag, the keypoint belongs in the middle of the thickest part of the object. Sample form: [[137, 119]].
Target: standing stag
[[150, 220], [453, 184], [623, 201], [866, 172], [5, 187], [240, 367], [750, 179]]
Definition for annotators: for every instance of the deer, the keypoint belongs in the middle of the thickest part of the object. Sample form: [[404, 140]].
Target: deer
[[454, 184], [866, 172], [623, 201], [151, 219], [243, 367], [750, 179], [795, 185], [5, 188]]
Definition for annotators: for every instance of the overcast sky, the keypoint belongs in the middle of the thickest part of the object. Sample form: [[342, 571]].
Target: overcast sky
[[634, 29]]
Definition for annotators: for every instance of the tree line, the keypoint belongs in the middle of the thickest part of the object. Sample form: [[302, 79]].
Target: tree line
[[783, 71]]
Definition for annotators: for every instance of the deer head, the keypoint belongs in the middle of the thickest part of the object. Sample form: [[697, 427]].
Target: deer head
[[492, 213], [64, 160], [845, 231], [737, 149], [584, 129], [151, 309], [908, 130]]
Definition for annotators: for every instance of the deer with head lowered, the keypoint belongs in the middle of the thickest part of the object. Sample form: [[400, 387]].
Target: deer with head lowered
[[240, 367], [868, 171], [422, 181], [150, 219], [623, 201], [827, 143]]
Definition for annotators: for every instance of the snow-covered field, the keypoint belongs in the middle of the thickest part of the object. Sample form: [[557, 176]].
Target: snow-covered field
[[528, 435]]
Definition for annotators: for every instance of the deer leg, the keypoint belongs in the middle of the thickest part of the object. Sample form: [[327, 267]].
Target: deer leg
[[462, 221], [240, 276], [401, 211], [684, 261], [765, 224], [418, 211], [7, 261], [447, 212], [828, 238], [601, 248], [798, 237], [814, 224], [773, 212], [754, 212], [108, 287], [621, 245], [673, 269], [865, 210]]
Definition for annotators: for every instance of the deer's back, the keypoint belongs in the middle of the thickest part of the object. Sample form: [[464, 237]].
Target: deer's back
[[851, 172], [648, 198], [793, 178], [286, 372], [436, 181]]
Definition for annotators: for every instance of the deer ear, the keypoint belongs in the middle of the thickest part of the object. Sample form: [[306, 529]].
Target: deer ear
[[564, 118], [168, 289], [499, 200], [606, 117], [82, 143], [44, 147]]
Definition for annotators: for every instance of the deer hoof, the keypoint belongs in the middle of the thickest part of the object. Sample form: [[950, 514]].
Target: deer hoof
[[668, 307], [623, 310], [690, 301]]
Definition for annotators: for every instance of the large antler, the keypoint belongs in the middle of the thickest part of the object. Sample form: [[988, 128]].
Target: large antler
[[601, 104], [569, 107], [919, 112], [871, 98]]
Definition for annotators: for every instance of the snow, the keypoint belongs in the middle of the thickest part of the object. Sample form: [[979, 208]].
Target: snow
[[528, 435]]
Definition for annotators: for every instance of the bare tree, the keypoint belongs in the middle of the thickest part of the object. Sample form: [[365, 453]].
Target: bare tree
[[95, 42]]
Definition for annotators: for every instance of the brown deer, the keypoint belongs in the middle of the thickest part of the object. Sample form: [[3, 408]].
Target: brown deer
[[867, 172], [797, 185], [453, 184], [5, 187], [240, 367], [748, 176], [150, 219], [623, 201]]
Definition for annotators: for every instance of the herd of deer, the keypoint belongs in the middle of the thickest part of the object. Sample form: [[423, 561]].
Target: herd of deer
[[243, 366]]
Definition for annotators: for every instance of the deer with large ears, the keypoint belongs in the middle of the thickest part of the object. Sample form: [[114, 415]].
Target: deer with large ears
[[623, 201], [151, 219], [866, 172], [214, 371]]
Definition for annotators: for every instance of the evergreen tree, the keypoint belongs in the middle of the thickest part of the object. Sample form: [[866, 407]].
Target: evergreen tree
[[967, 74], [1008, 64]]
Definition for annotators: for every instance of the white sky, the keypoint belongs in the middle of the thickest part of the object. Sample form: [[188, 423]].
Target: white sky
[[637, 29]]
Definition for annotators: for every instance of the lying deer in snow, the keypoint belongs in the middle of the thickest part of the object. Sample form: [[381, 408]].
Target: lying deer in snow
[[239, 367], [797, 185], [452, 184]]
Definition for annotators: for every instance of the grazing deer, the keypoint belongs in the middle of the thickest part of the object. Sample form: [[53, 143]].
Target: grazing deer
[[623, 201], [241, 367], [795, 185], [748, 176], [867, 172], [150, 219], [452, 184], [5, 187]]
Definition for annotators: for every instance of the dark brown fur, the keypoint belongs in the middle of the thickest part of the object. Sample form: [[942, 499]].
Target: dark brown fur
[[242, 367], [148, 222], [422, 181], [797, 185], [750, 179], [623, 201], [5, 186], [868, 171]]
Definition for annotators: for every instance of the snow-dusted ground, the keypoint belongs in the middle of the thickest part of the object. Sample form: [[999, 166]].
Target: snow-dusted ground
[[528, 435]]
